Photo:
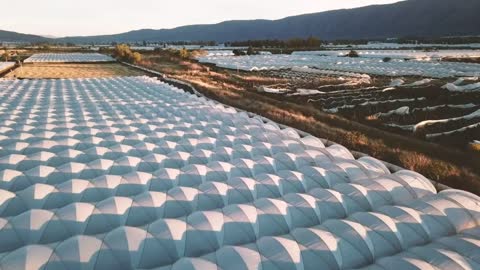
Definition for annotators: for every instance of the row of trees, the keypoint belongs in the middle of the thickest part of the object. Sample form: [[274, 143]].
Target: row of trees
[[182, 53], [311, 42], [9, 55], [5, 55], [123, 53], [441, 40], [250, 51]]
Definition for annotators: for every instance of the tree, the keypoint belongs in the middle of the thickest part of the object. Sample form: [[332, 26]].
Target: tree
[[6, 55], [352, 53], [136, 57], [251, 51], [295, 43], [238, 52], [123, 53], [313, 42]]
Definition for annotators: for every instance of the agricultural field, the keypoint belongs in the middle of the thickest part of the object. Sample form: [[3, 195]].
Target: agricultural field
[[68, 58], [423, 55], [412, 93], [437, 110], [69, 65], [397, 46], [342, 106], [314, 135], [134, 173], [61, 71], [369, 65]]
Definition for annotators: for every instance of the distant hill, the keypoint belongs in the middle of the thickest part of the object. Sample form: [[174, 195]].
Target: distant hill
[[7, 36], [420, 18], [428, 18]]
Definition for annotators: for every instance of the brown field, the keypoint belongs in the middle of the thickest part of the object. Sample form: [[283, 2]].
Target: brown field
[[452, 166], [475, 60], [60, 71]]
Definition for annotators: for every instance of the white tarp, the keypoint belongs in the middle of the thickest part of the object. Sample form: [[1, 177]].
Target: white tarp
[[340, 65], [132, 173], [68, 58]]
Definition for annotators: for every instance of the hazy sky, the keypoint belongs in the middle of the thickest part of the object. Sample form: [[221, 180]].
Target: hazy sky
[[92, 17]]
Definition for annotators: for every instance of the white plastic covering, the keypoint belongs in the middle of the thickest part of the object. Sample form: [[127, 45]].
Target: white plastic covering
[[366, 64], [68, 58], [6, 65], [131, 173]]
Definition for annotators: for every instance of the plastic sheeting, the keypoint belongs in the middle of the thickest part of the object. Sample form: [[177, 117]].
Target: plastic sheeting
[[131, 173], [6, 65], [340, 65], [68, 58]]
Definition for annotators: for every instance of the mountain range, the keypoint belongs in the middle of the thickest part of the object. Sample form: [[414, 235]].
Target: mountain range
[[417, 18], [8, 36]]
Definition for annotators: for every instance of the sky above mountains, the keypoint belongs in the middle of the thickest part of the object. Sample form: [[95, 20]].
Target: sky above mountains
[[93, 17]]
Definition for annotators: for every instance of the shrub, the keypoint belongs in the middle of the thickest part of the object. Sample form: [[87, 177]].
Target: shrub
[[104, 50], [136, 57], [352, 53], [313, 42], [430, 49], [475, 146], [294, 43], [183, 53], [123, 52], [238, 52]]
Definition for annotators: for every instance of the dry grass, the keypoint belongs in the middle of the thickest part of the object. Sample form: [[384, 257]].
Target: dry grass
[[475, 60], [475, 147], [260, 79], [59, 71], [372, 117], [436, 166]]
